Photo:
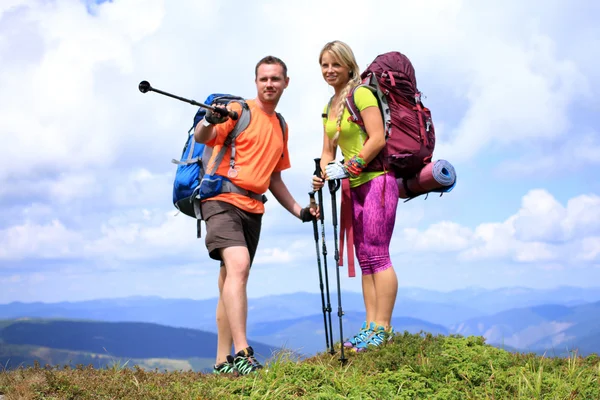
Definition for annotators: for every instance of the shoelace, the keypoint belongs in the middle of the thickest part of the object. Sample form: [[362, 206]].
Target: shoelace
[[225, 368], [253, 361], [248, 365], [361, 336]]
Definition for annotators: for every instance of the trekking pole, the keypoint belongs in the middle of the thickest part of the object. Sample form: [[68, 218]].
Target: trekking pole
[[322, 218], [333, 187], [313, 205], [145, 87]]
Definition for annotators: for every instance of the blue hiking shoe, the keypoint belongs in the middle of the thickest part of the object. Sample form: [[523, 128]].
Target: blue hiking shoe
[[364, 332], [245, 363], [225, 367], [377, 337]]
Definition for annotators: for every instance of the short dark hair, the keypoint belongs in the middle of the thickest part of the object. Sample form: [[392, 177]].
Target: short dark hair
[[271, 60]]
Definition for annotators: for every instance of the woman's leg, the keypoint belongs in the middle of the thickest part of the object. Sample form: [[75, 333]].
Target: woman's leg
[[376, 225], [369, 297], [368, 283]]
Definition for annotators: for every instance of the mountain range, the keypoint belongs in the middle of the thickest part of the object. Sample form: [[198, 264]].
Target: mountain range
[[552, 321]]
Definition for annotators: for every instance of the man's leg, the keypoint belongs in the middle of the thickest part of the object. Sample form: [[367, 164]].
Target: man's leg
[[234, 297], [224, 338], [232, 236]]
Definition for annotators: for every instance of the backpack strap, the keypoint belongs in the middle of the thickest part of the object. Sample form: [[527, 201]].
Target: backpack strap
[[189, 159], [326, 114], [372, 84], [242, 123], [353, 109], [282, 124]]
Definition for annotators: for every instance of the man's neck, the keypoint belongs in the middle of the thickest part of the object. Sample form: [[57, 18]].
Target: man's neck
[[268, 108]]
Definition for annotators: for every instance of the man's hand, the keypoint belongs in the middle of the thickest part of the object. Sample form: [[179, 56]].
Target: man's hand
[[214, 117], [309, 213], [316, 183]]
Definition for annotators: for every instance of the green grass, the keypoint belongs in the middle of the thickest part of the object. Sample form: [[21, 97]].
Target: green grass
[[411, 367]]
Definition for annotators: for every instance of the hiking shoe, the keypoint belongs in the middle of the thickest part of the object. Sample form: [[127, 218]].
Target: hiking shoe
[[361, 335], [377, 337], [226, 367], [245, 363]]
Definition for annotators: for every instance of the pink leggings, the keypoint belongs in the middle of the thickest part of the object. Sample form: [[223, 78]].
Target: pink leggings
[[373, 217]]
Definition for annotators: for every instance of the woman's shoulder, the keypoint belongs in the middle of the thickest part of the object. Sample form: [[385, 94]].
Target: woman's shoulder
[[363, 91], [364, 97]]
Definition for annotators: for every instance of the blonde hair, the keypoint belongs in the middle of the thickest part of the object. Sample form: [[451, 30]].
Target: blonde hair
[[344, 55]]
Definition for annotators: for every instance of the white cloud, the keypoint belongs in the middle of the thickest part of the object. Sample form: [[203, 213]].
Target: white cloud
[[444, 236], [273, 256], [85, 170], [590, 249], [30, 240], [542, 230], [556, 157]]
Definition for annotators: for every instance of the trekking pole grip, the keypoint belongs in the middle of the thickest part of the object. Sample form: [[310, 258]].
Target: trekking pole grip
[[318, 172], [226, 113], [313, 206], [334, 186], [313, 202]]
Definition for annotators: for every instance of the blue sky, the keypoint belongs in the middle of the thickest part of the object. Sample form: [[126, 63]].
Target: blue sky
[[86, 177]]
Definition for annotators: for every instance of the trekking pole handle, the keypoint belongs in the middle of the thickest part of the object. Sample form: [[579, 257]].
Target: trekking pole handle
[[318, 170], [313, 202], [225, 112], [145, 87], [334, 185]]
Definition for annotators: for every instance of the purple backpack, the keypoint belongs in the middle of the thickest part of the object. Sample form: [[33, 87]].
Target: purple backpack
[[409, 132]]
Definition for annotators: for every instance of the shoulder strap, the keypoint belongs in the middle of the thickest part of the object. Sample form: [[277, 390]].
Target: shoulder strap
[[326, 115], [352, 108], [283, 124], [240, 126]]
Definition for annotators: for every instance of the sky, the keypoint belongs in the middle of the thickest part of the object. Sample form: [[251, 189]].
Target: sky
[[85, 158]]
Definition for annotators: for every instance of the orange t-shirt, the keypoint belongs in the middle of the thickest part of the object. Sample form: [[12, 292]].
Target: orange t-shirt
[[260, 150]]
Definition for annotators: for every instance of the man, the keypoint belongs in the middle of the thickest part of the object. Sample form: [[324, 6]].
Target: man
[[233, 220]]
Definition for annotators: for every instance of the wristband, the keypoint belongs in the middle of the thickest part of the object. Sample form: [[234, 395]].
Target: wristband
[[355, 165]]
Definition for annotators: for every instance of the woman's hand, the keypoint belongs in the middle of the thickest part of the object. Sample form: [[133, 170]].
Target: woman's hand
[[317, 183]]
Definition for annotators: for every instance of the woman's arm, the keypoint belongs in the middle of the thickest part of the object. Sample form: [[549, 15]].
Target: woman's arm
[[371, 117]]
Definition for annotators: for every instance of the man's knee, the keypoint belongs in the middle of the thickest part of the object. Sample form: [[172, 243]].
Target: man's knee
[[237, 262]]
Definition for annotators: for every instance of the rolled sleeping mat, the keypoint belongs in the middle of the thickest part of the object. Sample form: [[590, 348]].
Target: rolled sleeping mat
[[437, 176]]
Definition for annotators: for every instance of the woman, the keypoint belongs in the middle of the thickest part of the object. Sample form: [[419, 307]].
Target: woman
[[374, 194]]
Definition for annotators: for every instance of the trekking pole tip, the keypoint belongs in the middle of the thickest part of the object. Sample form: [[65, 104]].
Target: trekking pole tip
[[144, 86]]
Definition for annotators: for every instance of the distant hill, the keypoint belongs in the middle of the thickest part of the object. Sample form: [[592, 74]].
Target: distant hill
[[200, 314], [14, 356], [444, 308], [114, 340], [551, 329], [496, 300], [520, 318]]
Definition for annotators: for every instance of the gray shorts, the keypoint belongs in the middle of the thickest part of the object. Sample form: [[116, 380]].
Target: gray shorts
[[227, 226]]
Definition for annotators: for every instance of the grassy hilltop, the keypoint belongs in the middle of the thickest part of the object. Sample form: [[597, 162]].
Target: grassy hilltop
[[412, 366]]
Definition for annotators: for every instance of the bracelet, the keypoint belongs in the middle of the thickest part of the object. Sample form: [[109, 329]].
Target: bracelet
[[355, 165]]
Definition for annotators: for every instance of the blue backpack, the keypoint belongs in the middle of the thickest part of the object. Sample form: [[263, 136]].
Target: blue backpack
[[192, 182]]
